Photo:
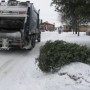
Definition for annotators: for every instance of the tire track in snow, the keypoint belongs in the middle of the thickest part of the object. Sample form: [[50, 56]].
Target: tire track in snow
[[15, 57], [7, 67], [10, 64]]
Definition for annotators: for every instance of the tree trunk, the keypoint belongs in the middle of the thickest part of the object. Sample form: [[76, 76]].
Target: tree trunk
[[75, 30], [74, 24], [78, 28]]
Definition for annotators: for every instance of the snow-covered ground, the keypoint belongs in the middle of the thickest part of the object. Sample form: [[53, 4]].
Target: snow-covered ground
[[19, 71], [67, 36]]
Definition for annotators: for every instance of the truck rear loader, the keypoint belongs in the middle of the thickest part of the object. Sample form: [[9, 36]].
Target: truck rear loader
[[19, 25]]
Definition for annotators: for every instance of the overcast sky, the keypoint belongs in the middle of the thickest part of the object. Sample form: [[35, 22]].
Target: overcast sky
[[47, 12]]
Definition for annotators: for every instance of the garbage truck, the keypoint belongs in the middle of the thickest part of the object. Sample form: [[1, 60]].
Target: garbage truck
[[19, 25]]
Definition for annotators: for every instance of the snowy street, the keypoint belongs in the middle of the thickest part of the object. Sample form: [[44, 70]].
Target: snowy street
[[19, 71]]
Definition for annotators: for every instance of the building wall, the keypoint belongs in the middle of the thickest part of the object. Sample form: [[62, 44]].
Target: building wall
[[66, 28], [82, 28], [47, 27]]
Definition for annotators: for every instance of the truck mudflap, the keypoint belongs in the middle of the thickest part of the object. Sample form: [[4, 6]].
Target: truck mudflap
[[28, 47]]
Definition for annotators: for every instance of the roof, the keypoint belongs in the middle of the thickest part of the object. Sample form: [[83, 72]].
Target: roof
[[46, 23]]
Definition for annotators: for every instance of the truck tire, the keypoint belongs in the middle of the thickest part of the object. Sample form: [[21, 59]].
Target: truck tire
[[39, 38], [33, 41]]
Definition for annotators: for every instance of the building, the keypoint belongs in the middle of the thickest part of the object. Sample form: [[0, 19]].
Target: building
[[66, 28], [45, 26], [82, 28]]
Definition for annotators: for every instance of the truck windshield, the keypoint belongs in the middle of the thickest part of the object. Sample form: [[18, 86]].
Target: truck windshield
[[9, 23]]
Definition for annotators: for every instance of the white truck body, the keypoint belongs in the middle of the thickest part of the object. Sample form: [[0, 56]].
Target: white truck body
[[19, 24]]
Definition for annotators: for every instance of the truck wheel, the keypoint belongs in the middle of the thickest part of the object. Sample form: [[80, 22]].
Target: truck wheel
[[39, 38], [33, 41]]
